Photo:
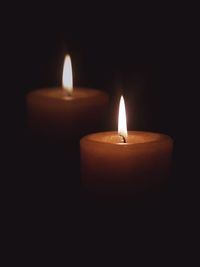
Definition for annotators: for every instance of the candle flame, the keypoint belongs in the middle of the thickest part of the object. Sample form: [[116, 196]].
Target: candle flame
[[67, 79], [122, 125]]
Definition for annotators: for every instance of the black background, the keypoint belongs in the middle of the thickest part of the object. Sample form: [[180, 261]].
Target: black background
[[138, 51]]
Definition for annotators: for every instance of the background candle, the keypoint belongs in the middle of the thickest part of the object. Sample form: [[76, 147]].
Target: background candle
[[51, 112], [65, 111], [111, 162]]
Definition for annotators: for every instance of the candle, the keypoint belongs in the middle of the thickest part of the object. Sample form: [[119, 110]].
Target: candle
[[124, 162], [65, 111]]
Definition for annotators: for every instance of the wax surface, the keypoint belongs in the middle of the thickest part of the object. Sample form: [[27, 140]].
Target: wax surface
[[51, 110], [61, 94], [133, 138], [109, 164]]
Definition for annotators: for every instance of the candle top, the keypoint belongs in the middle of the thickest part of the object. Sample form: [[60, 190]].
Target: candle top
[[134, 138], [79, 94], [58, 92]]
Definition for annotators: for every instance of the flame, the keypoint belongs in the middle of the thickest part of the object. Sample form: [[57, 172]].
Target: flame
[[67, 80], [122, 125]]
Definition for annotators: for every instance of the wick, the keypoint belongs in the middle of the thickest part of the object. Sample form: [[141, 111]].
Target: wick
[[123, 138], [67, 94]]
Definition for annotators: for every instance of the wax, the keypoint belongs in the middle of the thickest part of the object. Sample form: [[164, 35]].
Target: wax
[[109, 165], [52, 111]]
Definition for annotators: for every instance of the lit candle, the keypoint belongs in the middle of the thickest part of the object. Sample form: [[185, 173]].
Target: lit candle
[[124, 162], [65, 111]]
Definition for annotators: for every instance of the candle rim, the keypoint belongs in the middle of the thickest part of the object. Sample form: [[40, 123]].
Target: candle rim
[[162, 138], [45, 91]]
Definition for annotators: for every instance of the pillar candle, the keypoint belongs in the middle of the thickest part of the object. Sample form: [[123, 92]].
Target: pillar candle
[[65, 111], [124, 162]]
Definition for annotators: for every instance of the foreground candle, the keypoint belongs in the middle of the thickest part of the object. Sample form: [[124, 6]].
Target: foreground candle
[[124, 162], [65, 111]]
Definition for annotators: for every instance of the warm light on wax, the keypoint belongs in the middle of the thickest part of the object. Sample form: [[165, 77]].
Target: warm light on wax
[[113, 167], [122, 125], [67, 79]]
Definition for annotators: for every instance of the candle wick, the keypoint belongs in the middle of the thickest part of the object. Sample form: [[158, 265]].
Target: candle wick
[[67, 93], [123, 138]]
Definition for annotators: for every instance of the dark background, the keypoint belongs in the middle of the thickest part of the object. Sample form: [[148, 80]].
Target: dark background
[[132, 50]]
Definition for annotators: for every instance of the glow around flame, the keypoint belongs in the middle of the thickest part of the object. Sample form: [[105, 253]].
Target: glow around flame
[[67, 79], [122, 125]]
